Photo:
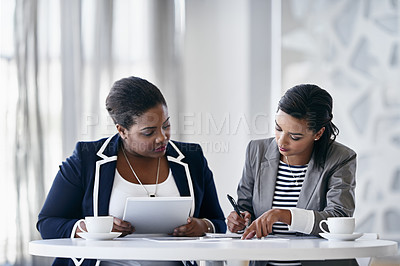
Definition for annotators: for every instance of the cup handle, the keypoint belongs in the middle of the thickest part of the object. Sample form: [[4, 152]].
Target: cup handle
[[320, 226], [79, 225]]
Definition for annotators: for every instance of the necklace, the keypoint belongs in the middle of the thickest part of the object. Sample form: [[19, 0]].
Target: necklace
[[290, 169], [137, 178]]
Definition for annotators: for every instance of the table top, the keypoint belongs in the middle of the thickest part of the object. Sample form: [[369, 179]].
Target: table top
[[213, 249]]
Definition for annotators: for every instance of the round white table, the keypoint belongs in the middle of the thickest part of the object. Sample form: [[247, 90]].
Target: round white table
[[219, 249]]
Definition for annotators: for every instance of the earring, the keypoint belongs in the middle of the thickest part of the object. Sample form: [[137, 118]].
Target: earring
[[315, 139]]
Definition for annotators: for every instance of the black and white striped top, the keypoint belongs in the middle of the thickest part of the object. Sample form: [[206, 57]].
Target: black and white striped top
[[287, 190]]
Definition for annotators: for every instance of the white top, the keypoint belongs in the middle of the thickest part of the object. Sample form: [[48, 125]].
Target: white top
[[123, 189], [287, 190], [286, 196]]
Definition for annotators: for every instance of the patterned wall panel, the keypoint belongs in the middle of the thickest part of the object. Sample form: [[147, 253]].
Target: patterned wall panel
[[352, 49]]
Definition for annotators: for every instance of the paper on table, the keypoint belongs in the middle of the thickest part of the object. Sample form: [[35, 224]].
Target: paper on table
[[170, 238], [286, 237], [187, 239], [217, 235], [234, 235]]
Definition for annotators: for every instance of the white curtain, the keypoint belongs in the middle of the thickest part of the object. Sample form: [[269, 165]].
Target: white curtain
[[25, 188], [58, 61]]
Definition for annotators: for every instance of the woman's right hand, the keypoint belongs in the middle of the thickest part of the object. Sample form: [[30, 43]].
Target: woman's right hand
[[237, 223], [122, 226], [119, 226]]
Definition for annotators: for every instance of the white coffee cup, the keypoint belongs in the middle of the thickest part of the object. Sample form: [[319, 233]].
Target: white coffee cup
[[97, 224], [338, 225]]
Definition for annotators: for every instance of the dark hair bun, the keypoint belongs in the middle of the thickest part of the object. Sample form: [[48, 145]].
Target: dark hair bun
[[310, 102], [131, 97]]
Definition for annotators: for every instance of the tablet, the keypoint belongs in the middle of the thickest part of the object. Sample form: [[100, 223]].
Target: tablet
[[157, 215]]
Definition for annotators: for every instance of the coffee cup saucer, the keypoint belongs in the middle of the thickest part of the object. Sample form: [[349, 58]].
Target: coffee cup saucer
[[341, 237], [99, 236]]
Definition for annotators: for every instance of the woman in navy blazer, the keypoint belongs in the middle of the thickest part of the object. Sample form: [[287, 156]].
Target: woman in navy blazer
[[142, 154]]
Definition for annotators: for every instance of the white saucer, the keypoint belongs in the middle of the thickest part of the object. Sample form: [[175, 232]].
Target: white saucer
[[341, 237], [99, 236]]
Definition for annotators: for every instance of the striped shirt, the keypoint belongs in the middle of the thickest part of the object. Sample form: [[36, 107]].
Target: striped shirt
[[287, 190]]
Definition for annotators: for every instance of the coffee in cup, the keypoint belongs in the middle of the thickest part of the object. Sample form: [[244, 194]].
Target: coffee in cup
[[338, 225], [97, 224]]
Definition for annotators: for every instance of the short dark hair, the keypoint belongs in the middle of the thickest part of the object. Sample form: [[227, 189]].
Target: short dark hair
[[131, 97], [310, 102]]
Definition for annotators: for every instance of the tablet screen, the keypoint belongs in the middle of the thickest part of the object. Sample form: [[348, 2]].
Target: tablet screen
[[157, 215]]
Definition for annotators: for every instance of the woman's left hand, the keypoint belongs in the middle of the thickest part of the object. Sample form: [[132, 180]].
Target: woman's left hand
[[122, 226], [262, 226], [194, 227]]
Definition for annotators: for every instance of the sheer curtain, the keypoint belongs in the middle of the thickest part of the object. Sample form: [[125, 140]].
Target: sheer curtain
[[29, 78], [58, 61], [24, 139]]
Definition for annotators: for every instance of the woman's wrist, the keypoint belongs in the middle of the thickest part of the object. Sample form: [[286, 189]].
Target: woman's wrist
[[286, 216], [76, 230], [209, 227]]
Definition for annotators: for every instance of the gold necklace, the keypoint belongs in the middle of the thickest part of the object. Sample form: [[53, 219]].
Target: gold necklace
[[137, 178], [290, 169]]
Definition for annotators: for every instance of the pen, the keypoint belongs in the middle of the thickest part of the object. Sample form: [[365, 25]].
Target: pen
[[234, 205]]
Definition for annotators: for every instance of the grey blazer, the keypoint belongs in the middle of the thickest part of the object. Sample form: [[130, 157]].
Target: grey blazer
[[327, 190]]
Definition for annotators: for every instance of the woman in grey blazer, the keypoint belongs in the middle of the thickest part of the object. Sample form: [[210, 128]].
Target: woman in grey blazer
[[302, 176]]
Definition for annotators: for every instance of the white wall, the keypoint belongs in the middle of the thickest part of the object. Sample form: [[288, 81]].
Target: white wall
[[215, 87], [223, 108]]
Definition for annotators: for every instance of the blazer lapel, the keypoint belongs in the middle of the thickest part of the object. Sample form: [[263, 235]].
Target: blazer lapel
[[181, 173], [104, 175], [268, 174], [181, 183], [310, 183]]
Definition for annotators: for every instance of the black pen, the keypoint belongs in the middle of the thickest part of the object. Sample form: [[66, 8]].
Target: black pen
[[234, 205]]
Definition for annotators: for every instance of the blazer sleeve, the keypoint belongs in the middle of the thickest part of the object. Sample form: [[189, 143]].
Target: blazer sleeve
[[210, 207], [340, 196], [63, 202], [246, 183]]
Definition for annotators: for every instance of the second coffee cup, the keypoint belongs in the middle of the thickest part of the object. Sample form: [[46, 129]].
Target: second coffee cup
[[97, 224], [338, 225]]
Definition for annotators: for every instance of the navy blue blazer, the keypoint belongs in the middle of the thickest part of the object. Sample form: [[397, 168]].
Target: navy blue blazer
[[71, 195]]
